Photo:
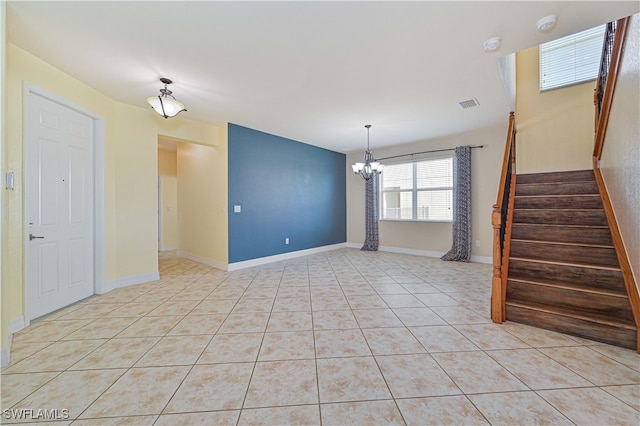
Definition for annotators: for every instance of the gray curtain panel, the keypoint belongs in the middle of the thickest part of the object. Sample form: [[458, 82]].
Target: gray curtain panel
[[371, 214], [461, 249]]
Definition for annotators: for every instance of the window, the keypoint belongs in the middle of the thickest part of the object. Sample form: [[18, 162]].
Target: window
[[571, 59], [420, 190]]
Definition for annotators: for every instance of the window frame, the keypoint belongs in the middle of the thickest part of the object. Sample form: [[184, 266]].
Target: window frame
[[414, 190]]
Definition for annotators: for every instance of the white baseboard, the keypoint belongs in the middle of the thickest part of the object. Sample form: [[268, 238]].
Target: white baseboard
[[4, 357], [482, 259], [127, 281], [284, 256], [201, 259], [17, 324], [416, 252], [168, 249]]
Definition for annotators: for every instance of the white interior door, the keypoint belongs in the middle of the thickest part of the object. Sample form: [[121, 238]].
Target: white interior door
[[59, 253]]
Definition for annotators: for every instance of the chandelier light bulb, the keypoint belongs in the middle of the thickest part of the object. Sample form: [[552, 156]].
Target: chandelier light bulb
[[370, 167]]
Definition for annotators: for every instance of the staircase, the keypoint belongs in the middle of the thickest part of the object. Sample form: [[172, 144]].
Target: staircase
[[563, 270]]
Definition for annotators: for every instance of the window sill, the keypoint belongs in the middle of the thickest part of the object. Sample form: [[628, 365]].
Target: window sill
[[415, 221]]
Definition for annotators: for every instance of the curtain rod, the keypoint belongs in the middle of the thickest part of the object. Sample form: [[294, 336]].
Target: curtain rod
[[425, 152]]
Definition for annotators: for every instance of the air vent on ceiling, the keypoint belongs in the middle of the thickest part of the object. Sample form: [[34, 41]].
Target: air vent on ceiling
[[469, 103]]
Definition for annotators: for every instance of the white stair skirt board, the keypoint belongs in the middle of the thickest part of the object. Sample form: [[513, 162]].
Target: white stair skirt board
[[416, 252], [127, 281], [201, 259], [284, 256]]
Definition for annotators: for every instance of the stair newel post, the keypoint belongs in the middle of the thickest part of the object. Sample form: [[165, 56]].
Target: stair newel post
[[497, 301]]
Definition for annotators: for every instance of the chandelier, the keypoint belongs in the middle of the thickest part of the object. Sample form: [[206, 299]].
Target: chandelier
[[370, 167], [166, 104]]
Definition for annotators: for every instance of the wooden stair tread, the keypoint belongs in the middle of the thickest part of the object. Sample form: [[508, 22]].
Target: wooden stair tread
[[603, 292], [562, 176], [590, 318], [610, 334], [588, 217], [557, 188], [564, 226], [576, 265], [562, 243], [556, 195], [569, 233], [561, 210]]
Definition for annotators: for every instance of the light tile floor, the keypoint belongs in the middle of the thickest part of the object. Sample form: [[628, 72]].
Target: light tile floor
[[343, 337]]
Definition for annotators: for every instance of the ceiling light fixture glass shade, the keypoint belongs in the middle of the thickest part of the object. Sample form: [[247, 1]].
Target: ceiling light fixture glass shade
[[166, 104], [370, 167]]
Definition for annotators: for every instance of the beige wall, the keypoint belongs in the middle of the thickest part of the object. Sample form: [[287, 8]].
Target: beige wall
[[555, 128], [130, 175], [4, 319], [167, 163], [433, 237], [168, 182], [202, 202], [620, 162]]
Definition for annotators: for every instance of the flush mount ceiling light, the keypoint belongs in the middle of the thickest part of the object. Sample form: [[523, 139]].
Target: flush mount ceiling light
[[547, 23], [492, 44], [370, 167], [166, 104]]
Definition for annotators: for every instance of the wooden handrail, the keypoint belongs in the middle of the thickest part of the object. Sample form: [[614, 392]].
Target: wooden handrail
[[499, 223], [602, 114], [604, 109], [506, 158]]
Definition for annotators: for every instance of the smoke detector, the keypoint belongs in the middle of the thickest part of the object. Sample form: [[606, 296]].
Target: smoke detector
[[492, 44], [547, 23]]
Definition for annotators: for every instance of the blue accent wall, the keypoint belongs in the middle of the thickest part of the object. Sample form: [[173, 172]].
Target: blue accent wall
[[286, 189]]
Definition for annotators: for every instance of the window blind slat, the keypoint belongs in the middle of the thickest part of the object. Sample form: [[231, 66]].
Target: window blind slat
[[572, 59], [420, 190]]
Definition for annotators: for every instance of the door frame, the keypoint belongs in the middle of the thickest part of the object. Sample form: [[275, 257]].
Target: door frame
[[99, 240], [160, 243]]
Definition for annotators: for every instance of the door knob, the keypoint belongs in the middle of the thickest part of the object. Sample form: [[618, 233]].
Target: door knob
[[33, 237]]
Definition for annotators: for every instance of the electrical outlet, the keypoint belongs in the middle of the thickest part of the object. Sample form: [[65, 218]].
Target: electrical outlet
[[286, 240], [477, 243]]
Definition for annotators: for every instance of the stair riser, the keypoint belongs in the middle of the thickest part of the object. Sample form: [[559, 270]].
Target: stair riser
[[571, 302], [586, 329], [568, 202], [570, 188], [588, 278], [565, 253], [555, 177], [561, 217], [562, 234]]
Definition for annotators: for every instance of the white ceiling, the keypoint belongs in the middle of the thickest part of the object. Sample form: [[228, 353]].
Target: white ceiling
[[315, 72]]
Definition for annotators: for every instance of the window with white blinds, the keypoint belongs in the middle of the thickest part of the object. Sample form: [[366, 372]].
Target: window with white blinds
[[418, 191], [571, 59]]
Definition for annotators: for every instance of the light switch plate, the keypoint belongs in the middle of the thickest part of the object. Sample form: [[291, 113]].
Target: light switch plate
[[10, 181], [237, 209]]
